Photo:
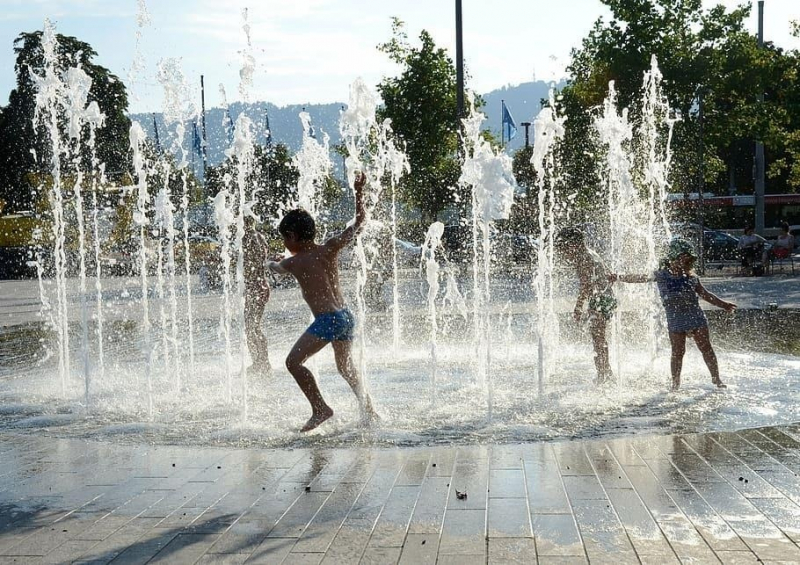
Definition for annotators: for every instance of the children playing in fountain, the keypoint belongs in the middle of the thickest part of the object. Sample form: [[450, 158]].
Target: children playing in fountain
[[316, 269], [594, 287], [680, 288]]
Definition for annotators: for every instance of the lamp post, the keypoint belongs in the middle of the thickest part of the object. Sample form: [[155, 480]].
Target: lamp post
[[759, 156], [701, 209], [459, 64], [204, 142], [344, 159]]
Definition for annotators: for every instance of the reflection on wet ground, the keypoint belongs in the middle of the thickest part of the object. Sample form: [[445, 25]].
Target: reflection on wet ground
[[730, 497]]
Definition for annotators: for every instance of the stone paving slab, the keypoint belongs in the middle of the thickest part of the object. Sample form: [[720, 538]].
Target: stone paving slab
[[726, 497]]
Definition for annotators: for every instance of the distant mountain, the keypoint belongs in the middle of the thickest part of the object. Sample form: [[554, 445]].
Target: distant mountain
[[523, 101], [284, 124]]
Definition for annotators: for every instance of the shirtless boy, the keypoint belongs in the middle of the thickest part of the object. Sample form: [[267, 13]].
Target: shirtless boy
[[316, 269]]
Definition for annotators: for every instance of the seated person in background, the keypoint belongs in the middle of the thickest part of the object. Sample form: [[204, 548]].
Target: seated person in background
[[784, 244], [751, 248]]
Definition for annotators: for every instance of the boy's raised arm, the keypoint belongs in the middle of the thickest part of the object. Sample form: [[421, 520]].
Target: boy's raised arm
[[350, 232], [277, 267]]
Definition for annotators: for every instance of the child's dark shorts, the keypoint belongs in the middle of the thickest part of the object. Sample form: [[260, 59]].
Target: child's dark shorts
[[333, 326]]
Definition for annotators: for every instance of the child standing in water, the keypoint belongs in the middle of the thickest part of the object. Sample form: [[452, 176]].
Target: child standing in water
[[256, 295], [593, 278], [680, 288], [317, 272]]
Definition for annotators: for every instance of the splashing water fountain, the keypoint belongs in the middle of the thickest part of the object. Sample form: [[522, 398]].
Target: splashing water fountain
[[433, 240], [549, 130], [168, 361], [489, 176]]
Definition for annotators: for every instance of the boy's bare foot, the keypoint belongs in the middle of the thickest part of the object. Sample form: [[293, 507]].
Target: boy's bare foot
[[719, 383], [316, 419], [676, 384]]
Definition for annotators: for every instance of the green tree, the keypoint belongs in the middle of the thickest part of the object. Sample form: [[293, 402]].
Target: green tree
[[22, 151], [696, 49], [421, 102], [272, 182]]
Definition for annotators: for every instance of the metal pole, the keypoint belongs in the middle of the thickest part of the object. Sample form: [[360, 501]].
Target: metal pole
[[701, 210], [459, 64], [759, 157], [155, 131], [204, 141], [502, 124], [267, 130], [344, 159]]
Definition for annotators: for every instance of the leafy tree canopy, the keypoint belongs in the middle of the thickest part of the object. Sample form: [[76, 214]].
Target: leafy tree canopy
[[272, 182], [698, 51], [17, 135], [421, 102]]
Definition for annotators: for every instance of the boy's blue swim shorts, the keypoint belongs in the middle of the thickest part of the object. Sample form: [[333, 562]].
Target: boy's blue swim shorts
[[333, 326]]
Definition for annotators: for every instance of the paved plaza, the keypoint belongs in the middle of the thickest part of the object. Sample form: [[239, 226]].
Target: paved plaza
[[729, 497]]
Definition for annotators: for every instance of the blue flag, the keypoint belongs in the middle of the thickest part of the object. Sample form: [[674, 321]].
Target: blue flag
[[267, 130], [229, 125], [196, 141], [509, 127]]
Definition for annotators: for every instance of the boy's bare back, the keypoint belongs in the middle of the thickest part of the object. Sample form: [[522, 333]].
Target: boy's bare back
[[316, 266], [317, 273]]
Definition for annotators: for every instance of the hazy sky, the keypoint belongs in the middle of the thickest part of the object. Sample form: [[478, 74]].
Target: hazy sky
[[311, 50]]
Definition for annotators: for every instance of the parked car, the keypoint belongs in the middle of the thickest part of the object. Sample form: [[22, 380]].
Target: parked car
[[795, 231], [720, 246]]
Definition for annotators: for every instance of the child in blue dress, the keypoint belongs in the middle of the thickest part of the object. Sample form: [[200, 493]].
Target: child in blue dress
[[680, 289]]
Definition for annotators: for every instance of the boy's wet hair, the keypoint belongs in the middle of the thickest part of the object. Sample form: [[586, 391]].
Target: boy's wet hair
[[300, 223]]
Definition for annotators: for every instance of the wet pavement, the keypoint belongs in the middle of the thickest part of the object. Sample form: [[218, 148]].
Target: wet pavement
[[729, 497]]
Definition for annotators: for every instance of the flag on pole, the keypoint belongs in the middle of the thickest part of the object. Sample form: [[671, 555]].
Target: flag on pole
[[196, 140], [155, 129], [312, 133], [509, 127], [229, 125], [267, 130]]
